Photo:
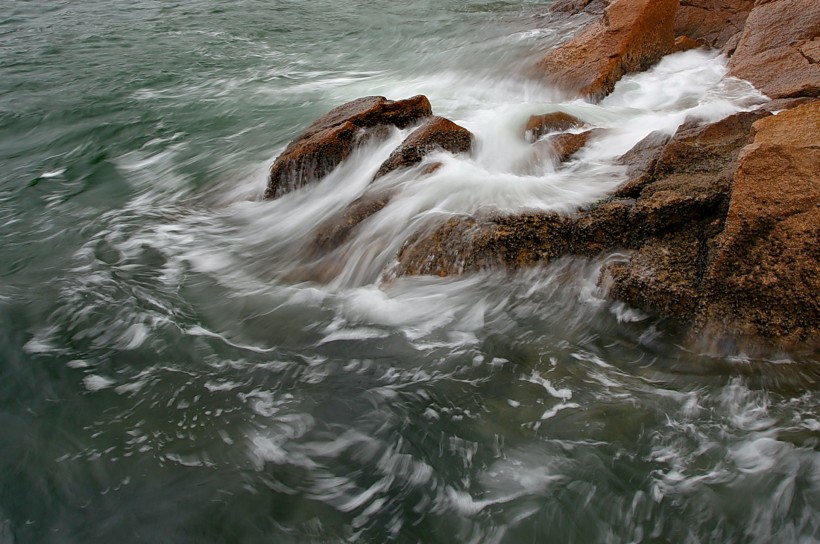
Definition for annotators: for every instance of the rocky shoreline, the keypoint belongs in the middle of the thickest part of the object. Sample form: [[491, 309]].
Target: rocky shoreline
[[722, 219]]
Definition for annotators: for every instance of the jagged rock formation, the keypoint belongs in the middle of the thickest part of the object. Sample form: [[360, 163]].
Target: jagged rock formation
[[722, 219]]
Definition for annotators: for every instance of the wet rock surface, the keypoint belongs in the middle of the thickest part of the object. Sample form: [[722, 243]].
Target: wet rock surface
[[779, 49], [467, 244], [764, 279], [557, 121], [721, 220], [435, 134], [336, 230], [564, 146], [712, 22], [332, 137], [630, 36], [709, 237]]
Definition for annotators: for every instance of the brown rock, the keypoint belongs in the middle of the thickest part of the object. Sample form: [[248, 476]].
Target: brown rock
[[685, 43], [764, 281], [663, 275], [712, 22], [468, 244], [605, 226], [557, 121], [730, 46], [332, 137], [566, 145], [707, 148], [685, 193], [777, 52], [336, 230], [630, 37], [595, 7], [437, 133], [679, 210], [640, 162]]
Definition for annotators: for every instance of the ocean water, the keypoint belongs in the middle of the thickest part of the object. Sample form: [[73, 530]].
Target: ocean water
[[171, 370]]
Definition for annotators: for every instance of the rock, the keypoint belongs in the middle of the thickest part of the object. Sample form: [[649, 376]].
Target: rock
[[698, 163], [781, 104], [336, 230], [685, 43], [707, 148], [594, 7], [631, 36], [332, 137], [764, 281], [679, 192], [468, 244], [437, 133], [731, 44], [557, 121], [662, 276], [566, 145], [779, 50], [679, 209], [712, 22], [640, 162], [605, 226]]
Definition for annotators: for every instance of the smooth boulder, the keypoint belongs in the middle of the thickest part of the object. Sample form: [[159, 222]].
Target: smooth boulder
[[437, 133], [556, 121]]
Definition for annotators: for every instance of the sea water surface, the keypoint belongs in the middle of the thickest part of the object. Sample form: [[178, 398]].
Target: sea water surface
[[172, 372]]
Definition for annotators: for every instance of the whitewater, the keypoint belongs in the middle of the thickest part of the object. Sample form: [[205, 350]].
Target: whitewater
[[176, 367]]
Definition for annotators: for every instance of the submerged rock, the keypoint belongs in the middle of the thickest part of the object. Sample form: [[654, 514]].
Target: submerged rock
[[764, 279], [631, 36], [336, 230], [779, 49], [332, 137], [437, 133]]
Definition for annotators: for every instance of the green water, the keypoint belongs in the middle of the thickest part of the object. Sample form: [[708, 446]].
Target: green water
[[167, 375]]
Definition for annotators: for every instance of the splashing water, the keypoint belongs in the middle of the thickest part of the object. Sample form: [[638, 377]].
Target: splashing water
[[170, 375]]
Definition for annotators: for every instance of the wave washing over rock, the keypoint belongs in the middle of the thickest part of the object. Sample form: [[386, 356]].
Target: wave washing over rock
[[452, 271], [749, 276]]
